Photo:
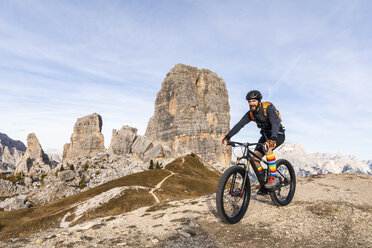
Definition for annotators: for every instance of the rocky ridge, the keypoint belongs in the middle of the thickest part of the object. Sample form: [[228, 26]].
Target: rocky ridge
[[11, 152], [191, 114]]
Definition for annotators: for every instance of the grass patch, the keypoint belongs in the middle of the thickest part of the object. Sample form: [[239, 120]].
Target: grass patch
[[82, 182], [110, 219], [159, 207], [14, 177], [192, 180], [316, 176]]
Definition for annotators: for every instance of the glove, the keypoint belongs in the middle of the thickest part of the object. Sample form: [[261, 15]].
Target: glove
[[271, 143]]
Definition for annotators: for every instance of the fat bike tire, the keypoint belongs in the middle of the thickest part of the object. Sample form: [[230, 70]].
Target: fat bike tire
[[283, 194], [232, 197]]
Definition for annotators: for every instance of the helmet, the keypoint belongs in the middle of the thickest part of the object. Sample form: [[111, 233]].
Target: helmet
[[254, 94]]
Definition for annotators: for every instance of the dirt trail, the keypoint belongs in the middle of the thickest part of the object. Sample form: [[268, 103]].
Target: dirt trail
[[158, 187]]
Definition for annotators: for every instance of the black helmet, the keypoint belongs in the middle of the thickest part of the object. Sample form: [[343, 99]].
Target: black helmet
[[254, 94]]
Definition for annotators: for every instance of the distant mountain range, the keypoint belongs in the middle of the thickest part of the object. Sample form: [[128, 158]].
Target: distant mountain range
[[322, 163], [319, 163]]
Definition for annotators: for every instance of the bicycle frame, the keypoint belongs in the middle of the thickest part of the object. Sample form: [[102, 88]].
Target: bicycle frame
[[248, 155]]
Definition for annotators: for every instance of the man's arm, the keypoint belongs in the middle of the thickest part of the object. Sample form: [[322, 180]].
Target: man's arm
[[274, 120], [243, 121]]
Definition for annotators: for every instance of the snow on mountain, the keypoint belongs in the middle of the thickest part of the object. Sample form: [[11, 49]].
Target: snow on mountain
[[318, 163], [369, 162], [321, 163], [54, 154]]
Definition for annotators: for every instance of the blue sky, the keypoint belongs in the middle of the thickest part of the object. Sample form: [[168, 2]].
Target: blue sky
[[61, 60]]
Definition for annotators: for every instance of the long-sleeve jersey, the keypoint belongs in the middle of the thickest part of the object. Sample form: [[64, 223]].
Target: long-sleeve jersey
[[270, 124]]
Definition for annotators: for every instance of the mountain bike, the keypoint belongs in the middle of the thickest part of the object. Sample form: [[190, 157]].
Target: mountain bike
[[234, 189]]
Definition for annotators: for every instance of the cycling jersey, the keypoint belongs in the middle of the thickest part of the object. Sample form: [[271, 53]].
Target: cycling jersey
[[270, 125]]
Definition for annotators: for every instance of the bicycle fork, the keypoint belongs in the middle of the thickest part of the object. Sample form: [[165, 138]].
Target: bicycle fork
[[232, 192]]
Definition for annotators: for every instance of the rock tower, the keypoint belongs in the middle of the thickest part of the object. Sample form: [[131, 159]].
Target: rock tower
[[192, 114], [34, 162], [86, 138]]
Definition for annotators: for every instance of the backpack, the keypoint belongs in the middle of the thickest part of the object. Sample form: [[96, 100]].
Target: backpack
[[265, 105]]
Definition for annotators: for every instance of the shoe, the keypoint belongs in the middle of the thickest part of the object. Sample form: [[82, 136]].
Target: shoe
[[262, 191], [273, 181]]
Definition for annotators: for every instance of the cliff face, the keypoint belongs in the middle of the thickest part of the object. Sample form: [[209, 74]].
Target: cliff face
[[192, 114], [11, 152], [86, 138]]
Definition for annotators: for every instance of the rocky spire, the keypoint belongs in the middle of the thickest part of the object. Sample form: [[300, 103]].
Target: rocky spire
[[34, 161], [192, 114], [86, 138]]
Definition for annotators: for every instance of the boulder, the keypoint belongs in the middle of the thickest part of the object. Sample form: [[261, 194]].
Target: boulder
[[192, 114], [86, 138], [8, 188], [153, 153], [141, 145], [28, 181], [15, 203], [126, 141], [66, 175], [122, 140]]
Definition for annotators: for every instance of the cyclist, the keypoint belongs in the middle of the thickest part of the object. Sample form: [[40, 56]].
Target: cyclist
[[272, 131]]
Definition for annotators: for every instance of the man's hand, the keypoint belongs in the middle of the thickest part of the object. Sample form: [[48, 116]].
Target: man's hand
[[271, 143]]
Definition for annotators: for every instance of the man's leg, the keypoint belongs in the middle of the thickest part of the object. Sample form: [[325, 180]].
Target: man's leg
[[271, 160], [257, 162]]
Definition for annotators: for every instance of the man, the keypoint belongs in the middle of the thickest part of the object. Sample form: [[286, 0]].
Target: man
[[268, 120]]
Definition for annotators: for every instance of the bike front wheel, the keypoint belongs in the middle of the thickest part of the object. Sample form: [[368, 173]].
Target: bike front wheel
[[232, 197], [284, 192]]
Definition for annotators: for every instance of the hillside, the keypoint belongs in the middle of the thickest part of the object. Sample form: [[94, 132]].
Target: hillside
[[185, 177], [327, 211]]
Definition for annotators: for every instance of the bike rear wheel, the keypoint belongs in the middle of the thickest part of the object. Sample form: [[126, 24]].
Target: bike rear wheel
[[232, 197], [284, 192]]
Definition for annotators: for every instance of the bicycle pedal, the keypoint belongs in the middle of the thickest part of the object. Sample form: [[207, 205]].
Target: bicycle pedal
[[262, 191]]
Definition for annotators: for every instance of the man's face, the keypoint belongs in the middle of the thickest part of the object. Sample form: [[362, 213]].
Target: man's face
[[253, 104]]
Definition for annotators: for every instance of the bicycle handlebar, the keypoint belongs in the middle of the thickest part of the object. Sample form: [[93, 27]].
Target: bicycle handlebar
[[234, 144]]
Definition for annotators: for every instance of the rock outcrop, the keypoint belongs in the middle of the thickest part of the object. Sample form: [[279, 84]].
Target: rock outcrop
[[192, 114], [86, 138], [11, 152], [126, 141], [34, 162]]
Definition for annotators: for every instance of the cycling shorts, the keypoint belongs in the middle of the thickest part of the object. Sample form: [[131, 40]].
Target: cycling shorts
[[279, 141]]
